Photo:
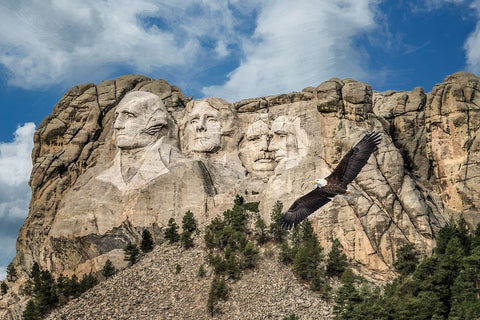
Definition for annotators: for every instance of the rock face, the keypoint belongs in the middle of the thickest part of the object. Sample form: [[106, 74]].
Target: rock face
[[128, 154]]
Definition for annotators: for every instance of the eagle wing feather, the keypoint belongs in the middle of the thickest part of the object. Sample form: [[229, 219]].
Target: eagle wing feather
[[353, 162], [348, 168], [305, 206]]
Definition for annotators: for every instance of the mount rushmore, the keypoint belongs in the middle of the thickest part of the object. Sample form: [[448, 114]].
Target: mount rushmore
[[130, 153]]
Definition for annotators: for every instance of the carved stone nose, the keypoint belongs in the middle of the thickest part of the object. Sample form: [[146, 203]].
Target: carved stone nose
[[201, 125], [118, 125]]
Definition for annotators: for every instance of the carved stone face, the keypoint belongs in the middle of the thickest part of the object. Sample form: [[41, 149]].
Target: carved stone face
[[203, 128], [255, 153], [283, 142], [140, 116], [289, 142]]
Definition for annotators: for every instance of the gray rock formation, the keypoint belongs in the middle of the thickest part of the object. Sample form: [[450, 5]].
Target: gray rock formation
[[96, 184]]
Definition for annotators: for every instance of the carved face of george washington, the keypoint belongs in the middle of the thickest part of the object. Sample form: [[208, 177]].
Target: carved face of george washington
[[141, 117]]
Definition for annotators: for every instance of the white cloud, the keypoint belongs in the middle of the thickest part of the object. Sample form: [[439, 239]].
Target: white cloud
[[297, 44], [7, 250], [15, 168], [15, 194], [3, 273], [472, 44], [15, 157], [294, 44], [57, 41]]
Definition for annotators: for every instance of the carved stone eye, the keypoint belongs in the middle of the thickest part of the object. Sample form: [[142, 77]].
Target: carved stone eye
[[253, 138]]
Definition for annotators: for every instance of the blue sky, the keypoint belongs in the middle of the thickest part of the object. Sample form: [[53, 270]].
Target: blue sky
[[232, 49]]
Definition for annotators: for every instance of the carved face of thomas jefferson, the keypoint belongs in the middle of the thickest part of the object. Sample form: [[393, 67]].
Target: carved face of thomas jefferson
[[205, 128], [206, 125], [140, 118]]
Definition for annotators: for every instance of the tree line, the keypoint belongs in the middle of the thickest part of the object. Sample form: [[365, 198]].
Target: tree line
[[445, 285]]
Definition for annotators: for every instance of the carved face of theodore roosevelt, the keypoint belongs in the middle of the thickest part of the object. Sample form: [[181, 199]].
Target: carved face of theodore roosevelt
[[255, 151], [140, 119]]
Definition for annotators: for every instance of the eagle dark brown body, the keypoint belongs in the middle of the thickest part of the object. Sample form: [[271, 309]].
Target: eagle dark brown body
[[336, 183]]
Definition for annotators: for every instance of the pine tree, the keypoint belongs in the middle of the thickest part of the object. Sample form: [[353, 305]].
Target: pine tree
[[201, 271], [108, 269], [250, 255], [62, 285], [347, 297], [337, 260], [189, 226], [186, 239], [35, 273], [261, 234], [188, 222], [4, 287], [147, 241], [31, 311], [88, 281], [406, 260], [45, 292], [218, 291], [445, 234], [131, 252], [286, 254], [74, 287], [309, 254], [171, 233], [277, 232], [11, 272]]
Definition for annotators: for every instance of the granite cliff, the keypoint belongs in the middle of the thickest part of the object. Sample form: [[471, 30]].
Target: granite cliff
[[97, 184]]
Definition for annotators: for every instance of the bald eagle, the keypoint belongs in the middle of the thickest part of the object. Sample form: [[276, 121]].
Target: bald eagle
[[335, 183]]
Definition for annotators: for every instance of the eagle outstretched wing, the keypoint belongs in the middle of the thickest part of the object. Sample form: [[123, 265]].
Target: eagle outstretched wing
[[348, 168], [353, 162], [304, 206]]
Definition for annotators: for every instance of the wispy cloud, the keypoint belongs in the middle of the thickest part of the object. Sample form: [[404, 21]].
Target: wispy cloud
[[15, 167], [3, 273], [49, 42], [15, 156], [279, 45], [297, 44], [472, 45]]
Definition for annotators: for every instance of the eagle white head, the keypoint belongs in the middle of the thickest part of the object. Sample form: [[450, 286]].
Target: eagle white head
[[320, 182]]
